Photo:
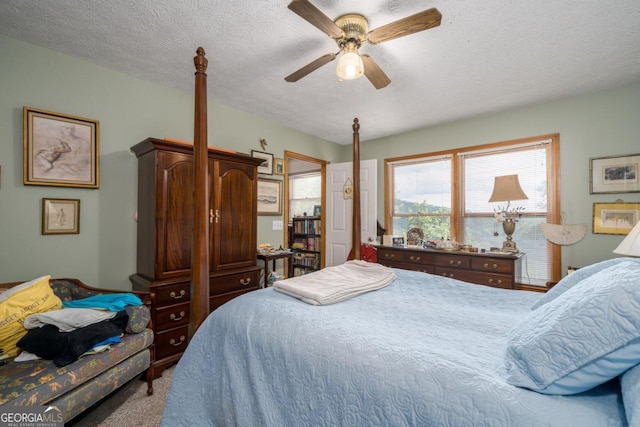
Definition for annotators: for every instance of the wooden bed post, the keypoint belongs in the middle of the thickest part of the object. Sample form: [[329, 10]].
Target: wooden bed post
[[356, 227], [200, 253]]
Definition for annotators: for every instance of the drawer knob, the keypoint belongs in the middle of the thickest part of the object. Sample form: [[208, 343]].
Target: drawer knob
[[447, 275], [455, 263], [499, 282], [178, 296], [493, 266], [245, 282], [173, 342], [414, 258], [178, 317], [389, 255]]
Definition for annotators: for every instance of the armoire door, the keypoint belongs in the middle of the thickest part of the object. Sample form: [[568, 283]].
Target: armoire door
[[234, 216], [174, 215]]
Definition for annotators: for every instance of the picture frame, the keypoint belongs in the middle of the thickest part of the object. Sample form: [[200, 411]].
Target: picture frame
[[267, 166], [60, 216], [317, 210], [614, 174], [60, 150], [269, 197], [615, 217], [279, 167]]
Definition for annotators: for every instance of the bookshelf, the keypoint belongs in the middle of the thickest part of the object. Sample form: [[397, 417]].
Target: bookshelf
[[306, 244]]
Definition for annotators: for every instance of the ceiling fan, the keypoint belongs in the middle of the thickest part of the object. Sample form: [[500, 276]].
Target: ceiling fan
[[350, 32]]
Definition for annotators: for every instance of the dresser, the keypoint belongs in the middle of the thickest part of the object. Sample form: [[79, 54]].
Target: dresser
[[165, 236], [496, 270]]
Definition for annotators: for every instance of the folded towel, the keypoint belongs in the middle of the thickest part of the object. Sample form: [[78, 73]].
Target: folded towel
[[337, 283], [68, 319], [112, 302]]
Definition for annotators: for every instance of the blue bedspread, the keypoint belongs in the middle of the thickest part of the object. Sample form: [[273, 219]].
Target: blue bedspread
[[424, 351]]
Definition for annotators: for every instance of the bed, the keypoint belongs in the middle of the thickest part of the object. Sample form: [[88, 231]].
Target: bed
[[423, 350]]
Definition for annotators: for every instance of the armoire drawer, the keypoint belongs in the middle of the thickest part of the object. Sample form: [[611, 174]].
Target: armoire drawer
[[172, 294], [172, 316], [248, 280], [171, 342]]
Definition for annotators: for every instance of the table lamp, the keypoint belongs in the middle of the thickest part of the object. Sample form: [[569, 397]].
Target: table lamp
[[630, 245], [507, 188]]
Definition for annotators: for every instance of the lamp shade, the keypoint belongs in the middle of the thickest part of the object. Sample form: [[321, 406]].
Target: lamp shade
[[631, 244], [507, 188], [350, 64]]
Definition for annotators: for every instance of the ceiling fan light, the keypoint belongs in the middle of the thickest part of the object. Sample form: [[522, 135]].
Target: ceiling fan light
[[350, 64]]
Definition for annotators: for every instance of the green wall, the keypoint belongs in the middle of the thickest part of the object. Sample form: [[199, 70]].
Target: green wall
[[600, 124], [129, 110]]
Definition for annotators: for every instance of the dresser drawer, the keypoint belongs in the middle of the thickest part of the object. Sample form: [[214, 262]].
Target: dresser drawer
[[248, 280], [172, 316], [453, 261], [385, 254], [218, 300], [171, 342], [478, 277], [172, 294], [494, 265], [409, 266]]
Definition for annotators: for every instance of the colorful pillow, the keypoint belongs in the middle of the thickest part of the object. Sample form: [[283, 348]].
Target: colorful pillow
[[630, 386], [584, 337], [574, 278], [19, 302]]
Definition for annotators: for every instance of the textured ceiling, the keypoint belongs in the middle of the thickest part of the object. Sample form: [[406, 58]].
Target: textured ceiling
[[486, 56]]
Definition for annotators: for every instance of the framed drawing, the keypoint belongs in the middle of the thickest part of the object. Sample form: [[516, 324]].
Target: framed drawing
[[618, 174], [615, 218], [60, 216], [60, 150], [279, 167], [267, 166], [317, 210], [269, 197]]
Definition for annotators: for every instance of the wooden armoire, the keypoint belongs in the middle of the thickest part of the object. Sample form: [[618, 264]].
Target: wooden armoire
[[165, 236]]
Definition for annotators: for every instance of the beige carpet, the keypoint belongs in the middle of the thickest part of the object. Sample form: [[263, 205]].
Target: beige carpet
[[130, 405]]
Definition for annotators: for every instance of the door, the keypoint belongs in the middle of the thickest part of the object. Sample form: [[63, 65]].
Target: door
[[339, 210], [233, 216]]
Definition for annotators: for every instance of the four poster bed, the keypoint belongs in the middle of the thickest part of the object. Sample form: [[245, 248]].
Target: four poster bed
[[412, 349]]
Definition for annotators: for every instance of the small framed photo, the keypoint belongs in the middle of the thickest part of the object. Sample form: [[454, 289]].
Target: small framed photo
[[269, 197], [60, 150], [267, 166], [397, 241], [317, 210], [60, 216], [617, 174], [279, 167], [615, 218]]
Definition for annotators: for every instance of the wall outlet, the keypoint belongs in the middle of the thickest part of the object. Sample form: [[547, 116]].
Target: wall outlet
[[276, 225]]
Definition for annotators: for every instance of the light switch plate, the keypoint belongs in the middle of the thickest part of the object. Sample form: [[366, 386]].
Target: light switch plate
[[276, 225]]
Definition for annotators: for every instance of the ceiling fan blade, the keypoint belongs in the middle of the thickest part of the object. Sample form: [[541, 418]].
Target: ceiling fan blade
[[315, 17], [374, 73], [310, 67], [421, 21]]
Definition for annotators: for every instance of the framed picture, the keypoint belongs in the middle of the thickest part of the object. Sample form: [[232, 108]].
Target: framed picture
[[317, 210], [615, 217], [60, 150], [267, 166], [60, 216], [279, 167], [269, 197], [618, 174]]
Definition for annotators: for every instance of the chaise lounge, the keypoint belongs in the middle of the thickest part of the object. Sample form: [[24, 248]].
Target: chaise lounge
[[79, 385]]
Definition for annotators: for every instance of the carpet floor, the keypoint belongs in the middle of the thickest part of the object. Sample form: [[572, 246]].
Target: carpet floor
[[130, 405]]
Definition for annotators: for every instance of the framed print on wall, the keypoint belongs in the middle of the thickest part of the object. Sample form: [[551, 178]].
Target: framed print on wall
[[618, 174], [60, 150], [60, 216], [279, 167], [267, 166], [615, 218], [269, 197]]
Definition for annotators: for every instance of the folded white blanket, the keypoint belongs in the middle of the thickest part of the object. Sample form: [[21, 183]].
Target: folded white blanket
[[68, 319], [337, 283]]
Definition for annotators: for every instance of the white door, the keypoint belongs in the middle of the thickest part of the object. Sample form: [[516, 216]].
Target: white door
[[339, 210]]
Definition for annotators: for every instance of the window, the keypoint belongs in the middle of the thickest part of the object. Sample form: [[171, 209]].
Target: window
[[304, 193], [446, 194]]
